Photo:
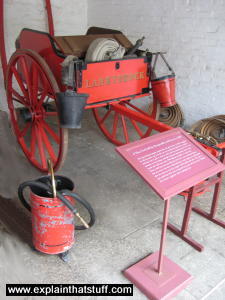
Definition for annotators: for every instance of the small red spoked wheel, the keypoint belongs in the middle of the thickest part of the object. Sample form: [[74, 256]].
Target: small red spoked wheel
[[31, 94], [120, 129]]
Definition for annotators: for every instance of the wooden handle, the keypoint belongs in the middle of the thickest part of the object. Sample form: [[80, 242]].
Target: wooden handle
[[51, 172]]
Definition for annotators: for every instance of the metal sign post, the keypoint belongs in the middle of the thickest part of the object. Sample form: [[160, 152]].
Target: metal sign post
[[170, 162]]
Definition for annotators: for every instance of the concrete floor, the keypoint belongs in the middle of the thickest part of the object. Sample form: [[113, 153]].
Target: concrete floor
[[127, 228]]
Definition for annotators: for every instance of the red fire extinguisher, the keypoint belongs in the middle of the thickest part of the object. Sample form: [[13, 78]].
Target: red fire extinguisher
[[52, 205]]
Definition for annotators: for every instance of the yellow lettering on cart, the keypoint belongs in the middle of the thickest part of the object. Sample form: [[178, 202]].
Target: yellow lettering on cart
[[109, 80], [114, 79], [95, 83], [101, 81], [87, 84], [141, 75]]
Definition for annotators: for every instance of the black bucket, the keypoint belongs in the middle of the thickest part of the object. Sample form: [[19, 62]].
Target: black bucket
[[71, 107]]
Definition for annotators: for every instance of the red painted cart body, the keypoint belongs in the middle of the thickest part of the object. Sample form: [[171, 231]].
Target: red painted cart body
[[33, 79], [104, 81]]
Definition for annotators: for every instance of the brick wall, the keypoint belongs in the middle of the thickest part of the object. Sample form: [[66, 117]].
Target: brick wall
[[70, 17], [193, 34]]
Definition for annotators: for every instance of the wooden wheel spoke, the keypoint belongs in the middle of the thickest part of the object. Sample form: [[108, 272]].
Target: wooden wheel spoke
[[26, 75], [20, 82], [115, 124], [34, 83], [137, 128], [25, 129], [137, 108], [40, 145], [18, 98], [125, 131], [51, 132], [105, 116], [44, 92], [50, 113], [29, 84], [126, 113], [48, 145], [33, 142]]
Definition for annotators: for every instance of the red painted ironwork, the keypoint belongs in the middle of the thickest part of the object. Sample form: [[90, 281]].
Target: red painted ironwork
[[163, 235], [211, 216], [155, 275], [110, 120], [166, 285], [50, 17], [31, 90], [183, 232]]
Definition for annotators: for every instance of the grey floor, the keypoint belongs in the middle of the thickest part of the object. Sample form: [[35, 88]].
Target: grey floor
[[127, 227]]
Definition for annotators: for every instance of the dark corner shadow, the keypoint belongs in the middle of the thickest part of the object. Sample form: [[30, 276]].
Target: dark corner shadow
[[15, 220]]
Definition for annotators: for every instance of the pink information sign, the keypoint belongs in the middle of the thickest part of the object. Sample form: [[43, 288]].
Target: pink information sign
[[171, 162]]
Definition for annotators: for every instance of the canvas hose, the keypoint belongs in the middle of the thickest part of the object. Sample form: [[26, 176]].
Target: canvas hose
[[60, 195], [172, 116], [212, 128], [104, 49]]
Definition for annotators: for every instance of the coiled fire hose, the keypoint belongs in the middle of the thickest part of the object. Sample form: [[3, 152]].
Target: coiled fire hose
[[60, 195], [213, 128], [104, 49], [50, 189], [172, 116]]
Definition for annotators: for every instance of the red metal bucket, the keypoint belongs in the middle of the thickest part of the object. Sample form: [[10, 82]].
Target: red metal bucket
[[163, 90]]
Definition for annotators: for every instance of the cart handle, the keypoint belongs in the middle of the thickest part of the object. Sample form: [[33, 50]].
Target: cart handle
[[50, 17], [2, 40], [2, 32]]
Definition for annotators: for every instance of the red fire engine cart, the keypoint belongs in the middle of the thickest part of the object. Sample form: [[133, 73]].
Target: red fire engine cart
[[50, 82], [46, 96]]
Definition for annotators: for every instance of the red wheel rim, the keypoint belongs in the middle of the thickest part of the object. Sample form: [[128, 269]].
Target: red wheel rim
[[31, 94], [120, 129]]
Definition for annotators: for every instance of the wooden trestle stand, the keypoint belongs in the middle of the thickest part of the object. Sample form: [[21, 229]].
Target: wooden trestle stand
[[170, 162]]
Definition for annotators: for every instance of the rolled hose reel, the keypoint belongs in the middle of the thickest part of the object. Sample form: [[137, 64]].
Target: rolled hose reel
[[210, 129], [213, 127], [104, 49], [172, 116]]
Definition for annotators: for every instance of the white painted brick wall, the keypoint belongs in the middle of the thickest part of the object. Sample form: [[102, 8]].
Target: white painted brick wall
[[193, 34], [191, 31], [70, 17]]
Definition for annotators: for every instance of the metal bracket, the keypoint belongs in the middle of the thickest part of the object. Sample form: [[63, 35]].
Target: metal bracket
[[78, 67]]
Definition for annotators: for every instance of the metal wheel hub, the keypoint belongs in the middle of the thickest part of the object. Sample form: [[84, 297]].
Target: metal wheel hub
[[26, 114]]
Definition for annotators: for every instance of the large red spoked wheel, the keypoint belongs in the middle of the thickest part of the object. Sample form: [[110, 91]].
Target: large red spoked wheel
[[120, 129], [31, 93]]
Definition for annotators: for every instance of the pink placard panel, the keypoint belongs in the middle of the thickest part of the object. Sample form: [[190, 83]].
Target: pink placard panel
[[171, 162]]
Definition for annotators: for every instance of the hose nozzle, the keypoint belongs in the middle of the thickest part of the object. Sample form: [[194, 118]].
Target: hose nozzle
[[82, 220]]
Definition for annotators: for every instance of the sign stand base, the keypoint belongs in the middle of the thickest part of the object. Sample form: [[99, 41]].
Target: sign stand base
[[154, 285]]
